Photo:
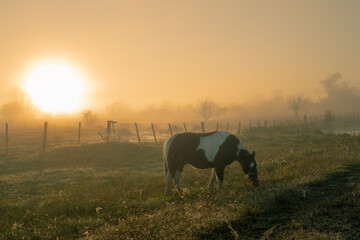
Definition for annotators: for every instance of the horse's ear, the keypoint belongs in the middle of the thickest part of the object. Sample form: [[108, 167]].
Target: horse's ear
[[253, 154]]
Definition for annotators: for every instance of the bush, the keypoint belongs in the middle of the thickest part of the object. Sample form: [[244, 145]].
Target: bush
[[328, 116]]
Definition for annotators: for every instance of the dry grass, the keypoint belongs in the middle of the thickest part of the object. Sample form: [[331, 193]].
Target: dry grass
[[310, 186]]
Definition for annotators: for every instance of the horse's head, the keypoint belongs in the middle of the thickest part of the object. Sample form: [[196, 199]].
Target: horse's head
[[248, 164]]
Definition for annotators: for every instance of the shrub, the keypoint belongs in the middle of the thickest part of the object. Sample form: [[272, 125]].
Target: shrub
[[328, 116]]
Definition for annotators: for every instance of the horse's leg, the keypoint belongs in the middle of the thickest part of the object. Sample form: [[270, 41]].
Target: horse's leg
[[220, 176], [168, 182], [212, 179], [177, 180]]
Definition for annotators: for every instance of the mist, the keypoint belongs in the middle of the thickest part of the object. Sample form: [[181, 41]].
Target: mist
[[335, 94]]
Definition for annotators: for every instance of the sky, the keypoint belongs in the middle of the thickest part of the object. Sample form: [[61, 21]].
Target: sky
[[149, 52]]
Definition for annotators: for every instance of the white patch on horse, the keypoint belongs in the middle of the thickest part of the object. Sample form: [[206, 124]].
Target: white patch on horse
[[240, 146], [252, 164], [210, 144]]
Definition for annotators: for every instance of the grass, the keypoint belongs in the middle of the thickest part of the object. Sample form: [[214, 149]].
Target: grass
[[309, 189]]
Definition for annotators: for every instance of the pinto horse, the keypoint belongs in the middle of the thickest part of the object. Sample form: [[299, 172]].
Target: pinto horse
[[213, 150]]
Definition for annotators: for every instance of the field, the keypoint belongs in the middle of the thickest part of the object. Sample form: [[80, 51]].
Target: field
[[309, 189]]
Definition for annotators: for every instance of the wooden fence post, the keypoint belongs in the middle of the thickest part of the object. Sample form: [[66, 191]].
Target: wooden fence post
[[170, 129], [45, 136], [258, 123], [305, 119], [203, 126], [185, 127], [227, 127], [7, 138], [137, 132], [217, 126], [239, 128], [108, 130], [79, 132], [152, 126]]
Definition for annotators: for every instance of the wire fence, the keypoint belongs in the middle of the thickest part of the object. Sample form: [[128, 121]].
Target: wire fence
[[25, 140]]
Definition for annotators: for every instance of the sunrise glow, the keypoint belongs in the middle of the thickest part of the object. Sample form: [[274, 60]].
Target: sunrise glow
[[55, 87]]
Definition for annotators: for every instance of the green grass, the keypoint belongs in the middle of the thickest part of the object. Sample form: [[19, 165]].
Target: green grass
[[309, 189]]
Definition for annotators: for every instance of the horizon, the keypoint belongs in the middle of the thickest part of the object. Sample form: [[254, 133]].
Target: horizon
[[147, 53]]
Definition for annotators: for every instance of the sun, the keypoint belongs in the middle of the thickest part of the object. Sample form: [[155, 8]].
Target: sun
[[55, 87]]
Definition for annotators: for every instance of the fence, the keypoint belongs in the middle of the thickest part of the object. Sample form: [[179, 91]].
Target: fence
[[28, 140]]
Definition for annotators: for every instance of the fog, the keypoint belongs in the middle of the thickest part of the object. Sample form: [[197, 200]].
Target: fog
[[146, 53], [157, 61], [335, 94]]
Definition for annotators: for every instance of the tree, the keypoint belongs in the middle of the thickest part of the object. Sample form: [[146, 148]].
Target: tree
[[331, 83], [115, 109], [89, 117], [319, 94], [12, 111], [21, 108], [205, 109], [298, 103], [222, 111]]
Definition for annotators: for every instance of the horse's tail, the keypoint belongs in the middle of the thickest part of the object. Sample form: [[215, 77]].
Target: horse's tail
[[165, 157], [166, 149]]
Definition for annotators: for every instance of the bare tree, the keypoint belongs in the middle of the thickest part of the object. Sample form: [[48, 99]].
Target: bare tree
[[205, 109], [89, 117], [298, 103]]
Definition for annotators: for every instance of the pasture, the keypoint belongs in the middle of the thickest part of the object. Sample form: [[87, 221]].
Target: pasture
[[309, 189]]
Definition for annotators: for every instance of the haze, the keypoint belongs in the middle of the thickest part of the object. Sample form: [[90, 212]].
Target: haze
[[145, 53]]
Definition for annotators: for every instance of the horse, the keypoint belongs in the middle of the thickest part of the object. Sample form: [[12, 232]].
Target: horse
[[213, 150]]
